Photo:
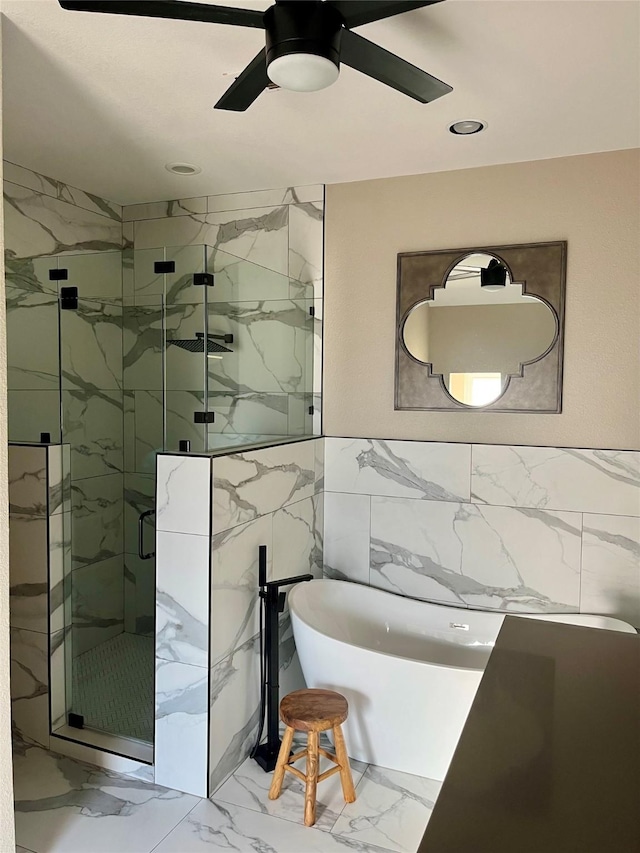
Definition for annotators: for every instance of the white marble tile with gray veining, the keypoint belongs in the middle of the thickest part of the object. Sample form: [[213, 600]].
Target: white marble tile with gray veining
[[611, 567], [247, 485], [237, 279], [249, 788], [28, 480], [306, 223], [234, 713], [33, 412], [392, 810], [59, 478], [216, 825], [91, 346], [29, 179], [181, 728], [253, 412], [296, 549], [480, 556], [97, 603], [93, 427], [139, 595], [265, 198], [37, 224], [97, 518], [163, 209], [182, 598], [183, 490], [32, 340], [28, 572], [595, 481], [346, 536], [234, 584], [29, 685], [76, 807], [404, 469]]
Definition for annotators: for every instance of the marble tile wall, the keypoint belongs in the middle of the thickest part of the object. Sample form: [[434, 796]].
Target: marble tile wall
[[39, 551], [212, 514], [271, 384], [532, 529]]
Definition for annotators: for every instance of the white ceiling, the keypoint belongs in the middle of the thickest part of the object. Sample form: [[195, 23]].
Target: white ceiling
[[103, 102]]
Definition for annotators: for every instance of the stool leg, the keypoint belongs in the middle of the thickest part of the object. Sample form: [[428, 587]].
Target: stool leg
[[312, 780], [345, 768], [283, 760]]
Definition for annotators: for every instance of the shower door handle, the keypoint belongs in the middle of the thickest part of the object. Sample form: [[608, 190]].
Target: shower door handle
[[141, 519]]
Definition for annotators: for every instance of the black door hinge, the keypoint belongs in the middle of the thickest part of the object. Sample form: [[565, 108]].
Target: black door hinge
[[203, 278], [58, 275], [164, 266], [204, 417], [311, 410], [312, 311], [69, 298]]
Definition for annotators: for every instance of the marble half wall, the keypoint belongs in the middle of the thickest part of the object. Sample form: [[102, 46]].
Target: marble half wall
[[529, 529], [212, 515]]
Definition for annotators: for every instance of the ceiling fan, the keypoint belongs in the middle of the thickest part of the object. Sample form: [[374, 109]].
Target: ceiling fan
[[306, 40]]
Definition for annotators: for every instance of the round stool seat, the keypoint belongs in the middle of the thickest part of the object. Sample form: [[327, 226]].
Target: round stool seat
[[313, 710]]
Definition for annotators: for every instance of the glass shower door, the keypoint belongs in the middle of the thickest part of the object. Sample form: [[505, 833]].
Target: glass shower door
[[109, 592]]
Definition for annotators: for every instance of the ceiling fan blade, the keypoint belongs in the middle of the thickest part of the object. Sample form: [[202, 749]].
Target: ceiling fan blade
[[359, 12], [376, 62], [246, 88], [175, 9]]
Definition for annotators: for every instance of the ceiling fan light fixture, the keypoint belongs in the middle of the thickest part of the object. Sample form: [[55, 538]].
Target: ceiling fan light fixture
[[303, 72]]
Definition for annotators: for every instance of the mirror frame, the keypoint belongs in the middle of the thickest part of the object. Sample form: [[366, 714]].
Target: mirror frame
[[541, 269]]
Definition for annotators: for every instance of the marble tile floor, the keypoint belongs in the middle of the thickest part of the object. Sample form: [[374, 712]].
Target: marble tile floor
[[65, 806]]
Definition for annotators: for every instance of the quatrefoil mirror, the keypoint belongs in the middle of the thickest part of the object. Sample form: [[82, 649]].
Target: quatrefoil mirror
[[481, 329]]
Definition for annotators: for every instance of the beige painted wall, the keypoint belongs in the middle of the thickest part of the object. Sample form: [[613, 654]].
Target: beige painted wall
[[592, 201], [6, 783]]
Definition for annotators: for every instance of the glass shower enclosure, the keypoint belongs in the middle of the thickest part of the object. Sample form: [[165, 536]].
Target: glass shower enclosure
[[121, 355]]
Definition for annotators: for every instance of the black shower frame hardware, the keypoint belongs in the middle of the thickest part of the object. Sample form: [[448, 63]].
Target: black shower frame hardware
[[266, 754], [141, 519], [203, 279], [204, 417], [68, 298], [164, 267], [59, 275]]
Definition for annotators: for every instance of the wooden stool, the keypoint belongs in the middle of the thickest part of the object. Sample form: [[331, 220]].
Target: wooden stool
[[313, 711]]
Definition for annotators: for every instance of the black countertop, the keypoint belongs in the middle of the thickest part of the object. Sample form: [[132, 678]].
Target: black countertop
[[549, 758]]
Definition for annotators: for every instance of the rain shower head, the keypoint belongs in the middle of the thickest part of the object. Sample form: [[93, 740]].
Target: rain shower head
[[197, 344]]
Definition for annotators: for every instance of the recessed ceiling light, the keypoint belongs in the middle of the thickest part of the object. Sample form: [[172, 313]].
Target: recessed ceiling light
[[183, 168], [467, 127]]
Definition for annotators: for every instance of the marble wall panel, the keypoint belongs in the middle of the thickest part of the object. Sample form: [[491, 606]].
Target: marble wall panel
[[28, 480], [97, 603], [97, 275], [139, 595], [29, 685], [181, 727], [254, 483], [91, 346], [97, 519], [295, 531], [306, 244], [250, 413], [265, 198], [31, 413], [37, 224], [164, 209], [239, 280], [28, 575], [57, 189], [235, 604], [59, 478], [182, 598], [92, 424], [410, 469], [347, 521], [234, 714], [143, 343], [477, 556], [593, 481], [611, 567], [32, 340], [183, 490]]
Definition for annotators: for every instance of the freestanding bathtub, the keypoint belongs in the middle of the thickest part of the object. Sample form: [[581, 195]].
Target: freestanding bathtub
[[409, 669]]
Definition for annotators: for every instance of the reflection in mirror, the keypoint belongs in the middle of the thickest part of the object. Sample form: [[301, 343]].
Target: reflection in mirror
[[479, 329]]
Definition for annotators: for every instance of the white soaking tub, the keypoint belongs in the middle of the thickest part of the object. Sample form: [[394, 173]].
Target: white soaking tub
[[409, 669]]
